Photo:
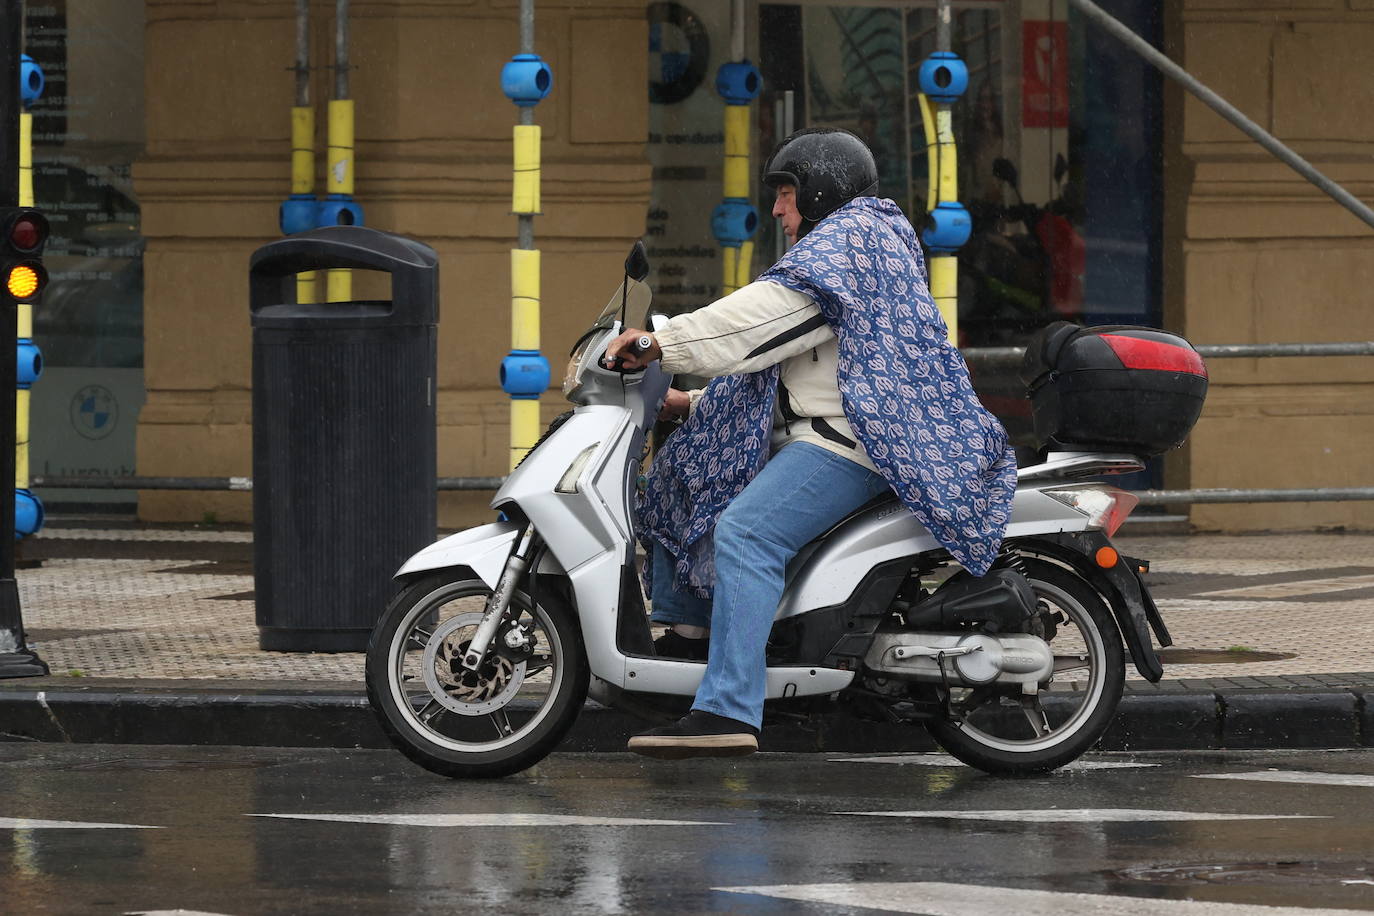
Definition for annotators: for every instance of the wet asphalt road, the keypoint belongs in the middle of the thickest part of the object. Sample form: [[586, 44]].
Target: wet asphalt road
[[367, 832]]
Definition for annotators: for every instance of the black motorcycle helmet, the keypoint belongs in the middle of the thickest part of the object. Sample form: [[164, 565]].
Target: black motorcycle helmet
[[828, 166]]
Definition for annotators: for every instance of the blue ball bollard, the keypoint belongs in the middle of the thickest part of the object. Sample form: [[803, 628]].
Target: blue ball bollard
[[28, 513], [338, 210], [29, 364], [738, 82], [299, 213], [31, 80], [943, 77], [526, 80], [524, 374], [733, 222], [947, 227]]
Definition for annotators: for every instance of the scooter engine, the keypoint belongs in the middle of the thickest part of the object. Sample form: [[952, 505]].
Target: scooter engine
[[968, 659]]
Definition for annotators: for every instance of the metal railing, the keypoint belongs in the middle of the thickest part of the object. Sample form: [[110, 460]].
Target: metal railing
[[1000, 357], [984, 357]]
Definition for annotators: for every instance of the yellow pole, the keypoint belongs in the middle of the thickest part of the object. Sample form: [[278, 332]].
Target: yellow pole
[[24, 316], [525, 291], [303, 179], [339, 180], [735, 175], [943, 171]]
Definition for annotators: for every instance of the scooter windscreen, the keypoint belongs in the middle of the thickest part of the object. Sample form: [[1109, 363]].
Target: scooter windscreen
[[635, 298]]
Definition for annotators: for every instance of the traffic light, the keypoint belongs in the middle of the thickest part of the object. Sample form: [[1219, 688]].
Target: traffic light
[[23, 233]]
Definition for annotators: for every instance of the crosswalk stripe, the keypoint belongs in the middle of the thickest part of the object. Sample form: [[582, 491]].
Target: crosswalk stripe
[[1081, 815], [492, 820], [1298, 776], [944, 760], [941, 899], [30, 823]]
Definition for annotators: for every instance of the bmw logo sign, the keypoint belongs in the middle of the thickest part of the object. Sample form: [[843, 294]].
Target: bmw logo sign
[[95, 412]]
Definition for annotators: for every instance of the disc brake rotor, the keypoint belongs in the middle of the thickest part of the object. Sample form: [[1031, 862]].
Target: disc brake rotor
[[467, 693]]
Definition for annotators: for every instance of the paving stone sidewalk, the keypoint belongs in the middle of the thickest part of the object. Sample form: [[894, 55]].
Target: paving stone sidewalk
[[128, 612]]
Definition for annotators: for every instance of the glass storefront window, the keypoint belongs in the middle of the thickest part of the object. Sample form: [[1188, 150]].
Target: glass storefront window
[[88, 131], [1059, 154]]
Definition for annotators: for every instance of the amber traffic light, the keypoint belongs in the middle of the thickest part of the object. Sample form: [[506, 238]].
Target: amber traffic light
[[23, 233]]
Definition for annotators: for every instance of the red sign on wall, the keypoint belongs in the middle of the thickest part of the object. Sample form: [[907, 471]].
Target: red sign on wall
[[1044, 74]]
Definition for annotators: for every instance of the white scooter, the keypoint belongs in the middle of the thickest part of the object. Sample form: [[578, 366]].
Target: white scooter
[[500, 633]]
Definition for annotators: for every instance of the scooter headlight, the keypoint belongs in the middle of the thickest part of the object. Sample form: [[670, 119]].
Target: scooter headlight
[[1106, 507]]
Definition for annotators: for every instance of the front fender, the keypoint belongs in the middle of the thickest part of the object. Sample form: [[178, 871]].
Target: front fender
[[483, 549]]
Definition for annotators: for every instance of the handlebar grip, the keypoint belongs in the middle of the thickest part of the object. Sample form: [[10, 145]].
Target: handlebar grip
[[637, 347]]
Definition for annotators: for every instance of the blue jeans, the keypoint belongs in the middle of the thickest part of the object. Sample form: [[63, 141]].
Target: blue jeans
[[799, 494]]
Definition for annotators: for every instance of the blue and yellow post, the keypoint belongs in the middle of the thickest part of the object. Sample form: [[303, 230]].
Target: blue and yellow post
[[525, 80], [338, 208], [735, 220], [28, 509], [300, 211], [943, 79]]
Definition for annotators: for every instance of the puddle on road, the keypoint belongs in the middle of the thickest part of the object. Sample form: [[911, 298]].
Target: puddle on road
[[1276, 872], [1220, 656]]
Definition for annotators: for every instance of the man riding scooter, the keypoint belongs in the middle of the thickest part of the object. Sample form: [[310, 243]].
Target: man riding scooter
[[833, 381]]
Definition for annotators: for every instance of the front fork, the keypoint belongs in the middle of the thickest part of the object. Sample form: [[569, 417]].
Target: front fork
[[516, 566]]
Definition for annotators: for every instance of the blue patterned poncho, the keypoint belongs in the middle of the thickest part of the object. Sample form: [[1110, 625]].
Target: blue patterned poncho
[[905, 389]]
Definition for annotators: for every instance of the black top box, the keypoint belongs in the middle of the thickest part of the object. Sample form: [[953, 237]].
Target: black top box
[[1113, 388]]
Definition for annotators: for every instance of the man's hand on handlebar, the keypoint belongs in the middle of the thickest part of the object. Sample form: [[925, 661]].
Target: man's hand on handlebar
[[634, 349]]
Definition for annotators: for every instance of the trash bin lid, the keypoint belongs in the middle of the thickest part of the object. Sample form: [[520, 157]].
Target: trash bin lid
[[413, 266]]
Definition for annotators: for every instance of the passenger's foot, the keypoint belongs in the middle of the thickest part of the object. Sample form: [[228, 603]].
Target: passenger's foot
[[674, 645], [698, 734]]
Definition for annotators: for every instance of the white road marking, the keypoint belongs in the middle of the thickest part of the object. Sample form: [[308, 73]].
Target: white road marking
[[1295, 589], [29, 823], [492, 820], [172, 913], [941, 899], [1081, 815], [1315, 779], [944, 760]]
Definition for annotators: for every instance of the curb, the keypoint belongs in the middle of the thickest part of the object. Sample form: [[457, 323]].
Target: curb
[[339, 717]]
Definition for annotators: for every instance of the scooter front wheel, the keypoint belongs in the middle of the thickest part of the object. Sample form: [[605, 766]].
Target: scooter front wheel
[[500, 719]]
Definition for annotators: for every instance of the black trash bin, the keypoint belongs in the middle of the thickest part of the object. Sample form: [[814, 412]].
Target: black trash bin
[[343, 436]]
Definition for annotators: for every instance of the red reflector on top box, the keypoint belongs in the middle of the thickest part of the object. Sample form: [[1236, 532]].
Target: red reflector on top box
[[1135, 353]]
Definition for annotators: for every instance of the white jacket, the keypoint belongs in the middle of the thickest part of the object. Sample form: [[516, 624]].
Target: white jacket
[[758, 326]]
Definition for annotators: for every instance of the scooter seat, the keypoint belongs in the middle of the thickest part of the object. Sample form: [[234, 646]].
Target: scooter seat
[[881, 499]]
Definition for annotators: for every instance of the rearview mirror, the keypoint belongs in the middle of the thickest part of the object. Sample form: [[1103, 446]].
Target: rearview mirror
[[637, 263], [1003, 170]]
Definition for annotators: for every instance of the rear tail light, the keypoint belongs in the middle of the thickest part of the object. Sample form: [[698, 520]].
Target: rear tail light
[[1106, 507], [1137, 353]]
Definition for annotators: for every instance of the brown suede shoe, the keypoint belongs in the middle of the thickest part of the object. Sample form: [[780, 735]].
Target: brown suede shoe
[[697, 734]]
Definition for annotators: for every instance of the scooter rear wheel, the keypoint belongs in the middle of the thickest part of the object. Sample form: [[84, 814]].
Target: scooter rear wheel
[[499, 720], [1058, 724]]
